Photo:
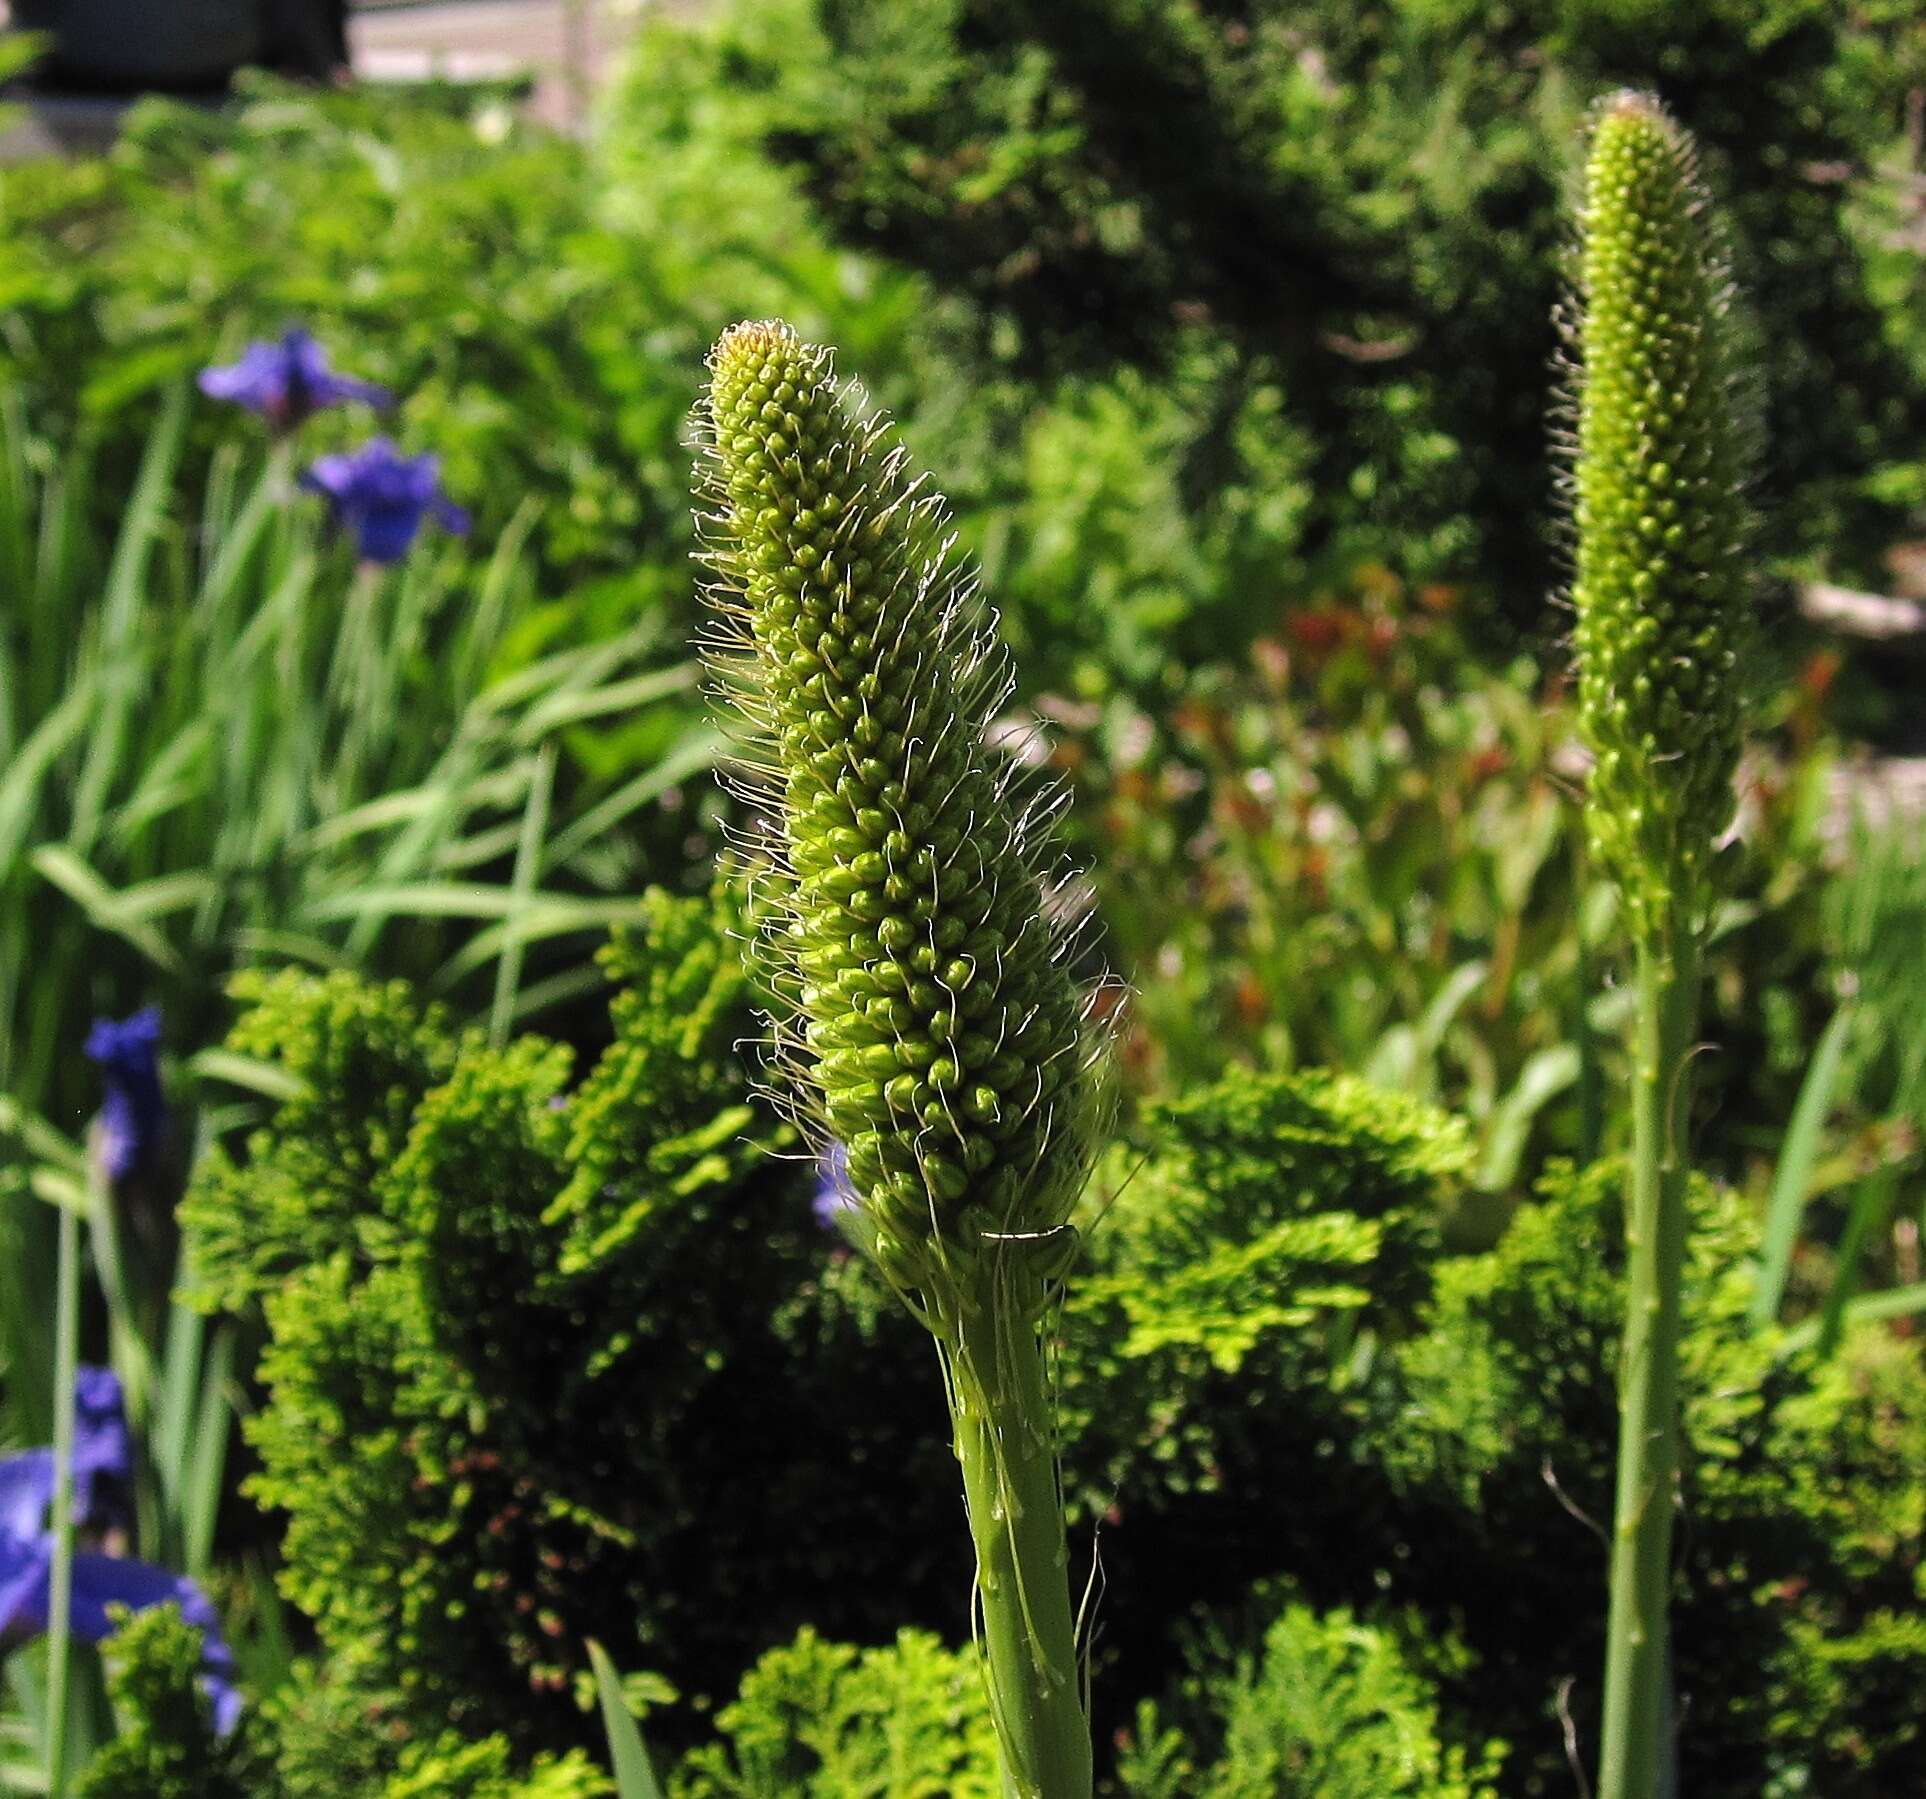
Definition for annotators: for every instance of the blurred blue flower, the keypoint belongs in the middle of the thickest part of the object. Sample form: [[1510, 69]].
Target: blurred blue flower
[[103, 1464], [383, 496], [134, 1111], [285, 382], [101, 1582], [834, 1194], [103, 1467]]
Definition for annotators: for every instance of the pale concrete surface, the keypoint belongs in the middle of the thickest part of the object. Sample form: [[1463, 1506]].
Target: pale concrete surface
[[568, 46]]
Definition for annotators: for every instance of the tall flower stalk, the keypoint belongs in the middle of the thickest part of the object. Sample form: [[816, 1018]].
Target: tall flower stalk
[[1661, 593], [918, 936]]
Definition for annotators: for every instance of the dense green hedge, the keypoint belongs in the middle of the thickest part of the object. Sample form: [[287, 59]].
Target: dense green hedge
[[1336, 229]]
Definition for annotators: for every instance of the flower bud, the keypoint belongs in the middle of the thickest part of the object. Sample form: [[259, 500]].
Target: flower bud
[[1662, 586], [912, 923]]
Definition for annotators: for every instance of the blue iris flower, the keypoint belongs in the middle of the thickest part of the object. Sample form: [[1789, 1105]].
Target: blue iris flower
[[103, 1467], [834, 1194], [103, 1464], [101, 1582], [383, 497], [134, 1113], [287, 381]]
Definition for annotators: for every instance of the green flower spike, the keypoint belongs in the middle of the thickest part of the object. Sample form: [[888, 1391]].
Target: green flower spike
[[917, 933], [1662, 448]]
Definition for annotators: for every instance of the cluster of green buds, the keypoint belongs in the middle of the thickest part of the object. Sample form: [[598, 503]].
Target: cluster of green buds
[[919, 932], [1661, 452]]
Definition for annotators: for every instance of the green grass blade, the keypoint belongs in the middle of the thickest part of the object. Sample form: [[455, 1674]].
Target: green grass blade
[[207, 1462], [249, 1072], [1405, 1058], [124, 653], [541, 918], [634, 1776], [420, 899], [1872, 1205], [1546, 1075], [571, 708], [695, 754], [133, 1359], [508, 970], [1868, 1308], [61, 1524], [179, 1382], [40, 1139], [107, 909], [536, 997], [20, 783], [1798, 1155]]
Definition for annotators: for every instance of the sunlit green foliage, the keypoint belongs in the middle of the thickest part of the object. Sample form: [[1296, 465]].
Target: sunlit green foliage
[[504, 1317], [1266, 1216], [1328, 1708], [821, 1720]]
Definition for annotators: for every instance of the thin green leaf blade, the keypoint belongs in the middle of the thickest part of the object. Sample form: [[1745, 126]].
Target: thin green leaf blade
[[634, 1776]]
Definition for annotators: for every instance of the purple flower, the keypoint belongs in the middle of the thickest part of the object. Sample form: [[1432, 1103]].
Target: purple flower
[[834, 1194], [285, 382], [134, 1113], [103, 1464], [382, 496], [102, 1582]]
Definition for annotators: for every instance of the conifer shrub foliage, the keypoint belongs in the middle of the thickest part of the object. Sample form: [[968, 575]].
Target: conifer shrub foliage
[[822, 1720], [1436, 1441], [1258, 1225], [1328, 1707], [315, 1744], [523, 1382], [167, 1747], [1800, 1541]]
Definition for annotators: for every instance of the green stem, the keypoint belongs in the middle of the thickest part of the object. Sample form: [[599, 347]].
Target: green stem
[[61, 1521], [1635, 1746], [1006, 1442]]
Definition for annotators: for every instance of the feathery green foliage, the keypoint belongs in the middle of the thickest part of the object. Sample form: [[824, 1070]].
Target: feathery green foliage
[[1445, 1449], [1257, 1221], [1329, 1707], [452, 1769], [323, 1737], [820, 1720], [1803, 1524], [505, 1316], [1661, 456]]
